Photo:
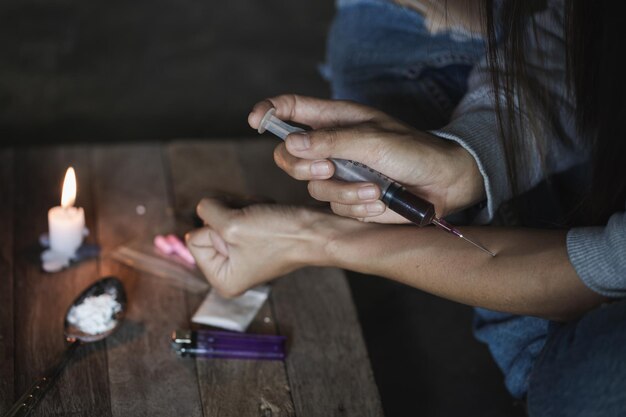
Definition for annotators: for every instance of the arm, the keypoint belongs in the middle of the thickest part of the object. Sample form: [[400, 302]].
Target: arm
[[531, 273]]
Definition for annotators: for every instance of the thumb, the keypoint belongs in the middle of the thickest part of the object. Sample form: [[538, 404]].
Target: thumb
[[359, 143], [313, 112], [214, 213]]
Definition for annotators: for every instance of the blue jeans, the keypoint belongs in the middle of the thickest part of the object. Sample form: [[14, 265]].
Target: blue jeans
[[581, 371], [382, 55]]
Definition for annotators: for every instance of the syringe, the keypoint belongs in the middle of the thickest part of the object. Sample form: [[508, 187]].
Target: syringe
[[393, 194]]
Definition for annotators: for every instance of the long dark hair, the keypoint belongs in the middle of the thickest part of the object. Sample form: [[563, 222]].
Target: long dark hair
[[595, 41]]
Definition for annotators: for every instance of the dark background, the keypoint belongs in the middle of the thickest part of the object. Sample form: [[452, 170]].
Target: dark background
[[107, 71], [151, 69]]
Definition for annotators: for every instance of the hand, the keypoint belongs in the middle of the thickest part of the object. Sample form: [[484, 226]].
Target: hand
[[437, 170], [241, 248]]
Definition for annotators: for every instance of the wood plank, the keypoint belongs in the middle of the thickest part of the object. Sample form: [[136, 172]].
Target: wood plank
[[264, 178], [328, 365], [41, 300], [228, 388], [7, 352], [146, 376], [199, 169]]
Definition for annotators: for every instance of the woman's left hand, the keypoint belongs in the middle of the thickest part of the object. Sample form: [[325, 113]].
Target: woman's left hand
[[241, 248], [437, 170]]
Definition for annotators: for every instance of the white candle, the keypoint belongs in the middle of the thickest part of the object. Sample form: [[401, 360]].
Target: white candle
[[66, 222]]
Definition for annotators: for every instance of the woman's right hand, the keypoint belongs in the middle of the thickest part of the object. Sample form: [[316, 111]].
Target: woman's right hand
[[435, 169]]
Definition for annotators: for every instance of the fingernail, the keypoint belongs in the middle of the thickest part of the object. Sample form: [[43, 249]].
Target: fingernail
[[367, 192], [375, 208], [320, 168], [299, 142]]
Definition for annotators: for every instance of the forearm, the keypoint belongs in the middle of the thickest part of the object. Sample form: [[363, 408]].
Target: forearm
[[530, 275]]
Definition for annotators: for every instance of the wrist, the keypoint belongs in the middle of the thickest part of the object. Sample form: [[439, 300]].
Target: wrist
[[321, 236], [467, 184], [314, 233]]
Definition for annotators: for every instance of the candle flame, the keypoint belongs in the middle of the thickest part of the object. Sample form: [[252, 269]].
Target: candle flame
[[68, 196]]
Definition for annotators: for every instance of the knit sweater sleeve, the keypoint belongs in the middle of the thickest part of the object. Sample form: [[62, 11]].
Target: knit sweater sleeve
[[598, 254], [474, 123]]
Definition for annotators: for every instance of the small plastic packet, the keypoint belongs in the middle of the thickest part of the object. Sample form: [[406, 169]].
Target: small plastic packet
[[233, 313], [170, 267]]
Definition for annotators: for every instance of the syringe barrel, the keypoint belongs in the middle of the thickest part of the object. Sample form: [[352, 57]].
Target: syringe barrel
[[393, 194], [411, 207], [352, 171]]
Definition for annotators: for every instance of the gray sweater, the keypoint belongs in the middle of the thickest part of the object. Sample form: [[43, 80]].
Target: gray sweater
[[598, 254]]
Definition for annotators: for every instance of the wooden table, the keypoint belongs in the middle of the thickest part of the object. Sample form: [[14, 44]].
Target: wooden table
[[135, 372]]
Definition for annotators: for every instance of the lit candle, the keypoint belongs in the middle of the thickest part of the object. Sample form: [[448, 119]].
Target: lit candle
[[66, 223]]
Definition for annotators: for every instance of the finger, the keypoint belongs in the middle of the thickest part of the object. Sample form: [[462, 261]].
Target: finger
[[302, 169], [344, 192], [214, 213], [208, 258], [362, 213], [200, 245], [258, 111], [312, 112], [360, 143], [359, 211], [207, 238]]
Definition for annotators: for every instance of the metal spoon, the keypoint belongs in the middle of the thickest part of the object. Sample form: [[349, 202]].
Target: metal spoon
[[75, 337]]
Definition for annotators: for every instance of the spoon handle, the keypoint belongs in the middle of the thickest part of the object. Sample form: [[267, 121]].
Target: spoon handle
[[29, 400]]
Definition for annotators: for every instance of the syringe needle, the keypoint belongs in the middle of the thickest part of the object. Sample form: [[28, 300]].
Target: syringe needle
[[451, 229], [477, 245], [395, 196]]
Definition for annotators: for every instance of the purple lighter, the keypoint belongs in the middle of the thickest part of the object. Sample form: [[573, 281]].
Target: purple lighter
[[218, 344]]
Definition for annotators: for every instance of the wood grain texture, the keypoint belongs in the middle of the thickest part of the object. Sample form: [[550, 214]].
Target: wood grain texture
[[200, 169], [328, 365], [146, 376], [241, 387], [41, 300], [264, 178], [7, 352], [135, 372]]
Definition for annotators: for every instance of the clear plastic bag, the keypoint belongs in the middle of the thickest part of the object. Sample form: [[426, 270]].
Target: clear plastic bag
[[234, 314], [144, 256]]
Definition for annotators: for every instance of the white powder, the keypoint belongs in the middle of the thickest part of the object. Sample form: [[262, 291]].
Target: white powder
[[95, 315], [231, 314]]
